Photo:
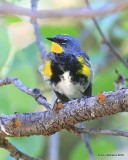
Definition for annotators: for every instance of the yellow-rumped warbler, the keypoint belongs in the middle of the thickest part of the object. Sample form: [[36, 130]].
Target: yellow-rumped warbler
[[68, 68]]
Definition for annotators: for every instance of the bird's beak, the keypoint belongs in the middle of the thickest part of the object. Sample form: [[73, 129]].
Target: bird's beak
[[50, 39]]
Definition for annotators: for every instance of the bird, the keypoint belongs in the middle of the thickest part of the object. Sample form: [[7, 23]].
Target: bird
[[67, 69]]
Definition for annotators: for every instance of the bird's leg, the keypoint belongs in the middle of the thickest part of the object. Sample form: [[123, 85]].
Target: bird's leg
[[57, 105]]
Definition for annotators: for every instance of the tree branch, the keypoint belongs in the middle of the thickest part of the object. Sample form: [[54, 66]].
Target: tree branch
[[100, 131], [37, 31], [54, 147], [14, 152], [86, 140], [9, 9], [47, 123]]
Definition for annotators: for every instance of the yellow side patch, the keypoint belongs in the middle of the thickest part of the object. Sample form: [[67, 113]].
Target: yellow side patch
[[81, 59], [85, 69], [47, 69], [56, 48]]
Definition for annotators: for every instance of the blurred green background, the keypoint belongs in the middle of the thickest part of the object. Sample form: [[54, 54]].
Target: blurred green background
[[20, 57]]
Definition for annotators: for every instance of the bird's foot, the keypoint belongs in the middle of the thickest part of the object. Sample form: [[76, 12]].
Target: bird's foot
[[57, 105]]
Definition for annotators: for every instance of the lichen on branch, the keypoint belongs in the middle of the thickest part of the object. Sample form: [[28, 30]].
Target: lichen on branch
[[48, 122]]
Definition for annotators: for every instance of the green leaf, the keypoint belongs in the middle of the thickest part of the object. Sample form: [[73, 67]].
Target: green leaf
[[12, 19]]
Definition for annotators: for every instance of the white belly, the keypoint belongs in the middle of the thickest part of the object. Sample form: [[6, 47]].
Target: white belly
[[66, 87]]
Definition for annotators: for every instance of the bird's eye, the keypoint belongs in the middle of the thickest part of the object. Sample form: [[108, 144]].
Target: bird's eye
[[63, 41]]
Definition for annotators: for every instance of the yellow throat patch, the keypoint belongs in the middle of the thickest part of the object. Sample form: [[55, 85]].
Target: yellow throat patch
[[85, 69], [47, 69], [56, 48]]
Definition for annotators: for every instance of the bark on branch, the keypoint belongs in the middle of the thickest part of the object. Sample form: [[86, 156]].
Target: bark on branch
[[47, 123], [10, 9]]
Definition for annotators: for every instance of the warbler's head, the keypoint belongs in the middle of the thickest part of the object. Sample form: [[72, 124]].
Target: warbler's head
[[64, 44]]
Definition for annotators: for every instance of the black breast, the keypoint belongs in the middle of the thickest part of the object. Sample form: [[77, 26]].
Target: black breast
[[62, 63]]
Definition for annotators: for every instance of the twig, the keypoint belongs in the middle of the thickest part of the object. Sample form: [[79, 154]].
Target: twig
[[53, 147], [101, 131], [14, 152], [37, 31], [9, 9], [87, 143], [120, 81], [107, 42], [35, 93], [75, 111]]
